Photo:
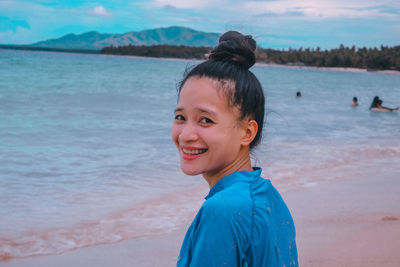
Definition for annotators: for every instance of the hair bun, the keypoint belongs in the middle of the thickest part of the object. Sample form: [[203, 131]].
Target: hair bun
[[234, 46]]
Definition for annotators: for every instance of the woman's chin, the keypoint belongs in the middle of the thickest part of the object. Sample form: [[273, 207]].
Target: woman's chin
[[190, 171]]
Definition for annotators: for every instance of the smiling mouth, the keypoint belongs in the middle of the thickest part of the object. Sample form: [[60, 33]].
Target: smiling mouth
[[194, 151]]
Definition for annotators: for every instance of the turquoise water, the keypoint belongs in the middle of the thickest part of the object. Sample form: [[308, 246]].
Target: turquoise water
[[85, 143]]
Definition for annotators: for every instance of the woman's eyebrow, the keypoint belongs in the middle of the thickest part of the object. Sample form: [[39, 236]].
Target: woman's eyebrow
[[202, 110]]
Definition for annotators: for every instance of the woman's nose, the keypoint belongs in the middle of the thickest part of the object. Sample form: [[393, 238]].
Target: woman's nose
[[188, 133]]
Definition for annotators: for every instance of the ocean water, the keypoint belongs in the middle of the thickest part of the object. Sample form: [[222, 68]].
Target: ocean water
[[86, 156]]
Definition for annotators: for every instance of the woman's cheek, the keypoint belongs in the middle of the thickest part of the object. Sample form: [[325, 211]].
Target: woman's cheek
[[175, 133]]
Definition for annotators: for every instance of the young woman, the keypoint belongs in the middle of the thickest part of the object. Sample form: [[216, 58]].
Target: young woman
[[218, 120], [374, 102], [381, 108]]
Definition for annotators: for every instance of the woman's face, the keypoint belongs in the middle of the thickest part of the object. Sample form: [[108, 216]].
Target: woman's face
[[206, 129]]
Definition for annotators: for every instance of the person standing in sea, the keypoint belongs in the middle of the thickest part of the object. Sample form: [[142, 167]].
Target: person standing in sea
[[218, 120]]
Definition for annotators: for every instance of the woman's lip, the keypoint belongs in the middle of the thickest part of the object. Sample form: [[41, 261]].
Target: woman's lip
[[186, 156], [189, 156], [192, 147]]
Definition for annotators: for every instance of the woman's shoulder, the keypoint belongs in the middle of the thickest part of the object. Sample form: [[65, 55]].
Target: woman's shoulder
[[233, 200], [241, 196]]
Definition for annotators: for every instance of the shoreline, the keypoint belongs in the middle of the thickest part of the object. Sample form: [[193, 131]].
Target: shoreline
[[346, 222], [344, 69], [273, 65]]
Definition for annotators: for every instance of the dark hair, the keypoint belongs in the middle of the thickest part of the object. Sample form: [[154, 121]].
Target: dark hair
[[374, 102], [355, 99], [230, 61], [298, 93]]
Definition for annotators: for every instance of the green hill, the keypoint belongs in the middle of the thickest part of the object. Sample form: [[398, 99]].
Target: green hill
[[161, 36]]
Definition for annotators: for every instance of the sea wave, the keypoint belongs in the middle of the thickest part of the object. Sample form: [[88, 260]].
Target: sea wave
[[326, 162], [169, 212], [155, 217]]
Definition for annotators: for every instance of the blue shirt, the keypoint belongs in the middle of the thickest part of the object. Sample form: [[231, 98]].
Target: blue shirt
[[243, 222]]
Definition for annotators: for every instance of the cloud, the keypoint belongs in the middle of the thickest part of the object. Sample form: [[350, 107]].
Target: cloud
[[308, 9], [17, 36], [311, 10], [100, 11], [11, 24], [7, 3], [186, 4], [360, 22], [322, 9], [27, 22], [286, 14]]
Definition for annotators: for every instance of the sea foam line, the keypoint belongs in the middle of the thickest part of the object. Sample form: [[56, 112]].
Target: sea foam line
[[155, 217]]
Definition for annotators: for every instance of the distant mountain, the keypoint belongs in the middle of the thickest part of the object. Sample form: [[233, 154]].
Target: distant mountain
[[169, 36]]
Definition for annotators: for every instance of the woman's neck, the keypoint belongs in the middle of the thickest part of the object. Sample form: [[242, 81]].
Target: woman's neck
[[241, 163]]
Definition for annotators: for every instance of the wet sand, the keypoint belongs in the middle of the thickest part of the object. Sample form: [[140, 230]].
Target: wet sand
[[351, 222], [355, 222]]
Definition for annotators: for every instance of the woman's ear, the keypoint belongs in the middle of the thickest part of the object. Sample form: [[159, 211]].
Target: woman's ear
[[250, 132]]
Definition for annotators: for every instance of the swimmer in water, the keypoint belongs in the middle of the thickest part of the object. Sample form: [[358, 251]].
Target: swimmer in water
[[374, 102], [380, 108], [355, 102]]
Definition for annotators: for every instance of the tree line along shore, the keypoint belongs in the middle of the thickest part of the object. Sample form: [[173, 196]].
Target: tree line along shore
[[383, 58], [49, 49]]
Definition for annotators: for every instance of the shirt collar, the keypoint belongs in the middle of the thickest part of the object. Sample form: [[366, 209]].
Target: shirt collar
[[240, 176]]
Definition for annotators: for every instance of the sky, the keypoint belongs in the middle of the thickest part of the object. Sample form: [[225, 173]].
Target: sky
[[278, 24]]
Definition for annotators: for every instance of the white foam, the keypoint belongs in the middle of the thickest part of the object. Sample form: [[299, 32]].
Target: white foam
[[154, 217]]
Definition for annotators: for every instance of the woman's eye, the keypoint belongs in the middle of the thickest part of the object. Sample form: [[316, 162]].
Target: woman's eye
[[206, 120], [179, 118]]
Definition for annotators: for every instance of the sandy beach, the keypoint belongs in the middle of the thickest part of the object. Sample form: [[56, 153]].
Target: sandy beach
[[354, 222], [350, 222], [346, 69]]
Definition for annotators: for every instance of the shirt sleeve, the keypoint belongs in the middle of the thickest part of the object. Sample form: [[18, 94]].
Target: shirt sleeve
[[221, 235]]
